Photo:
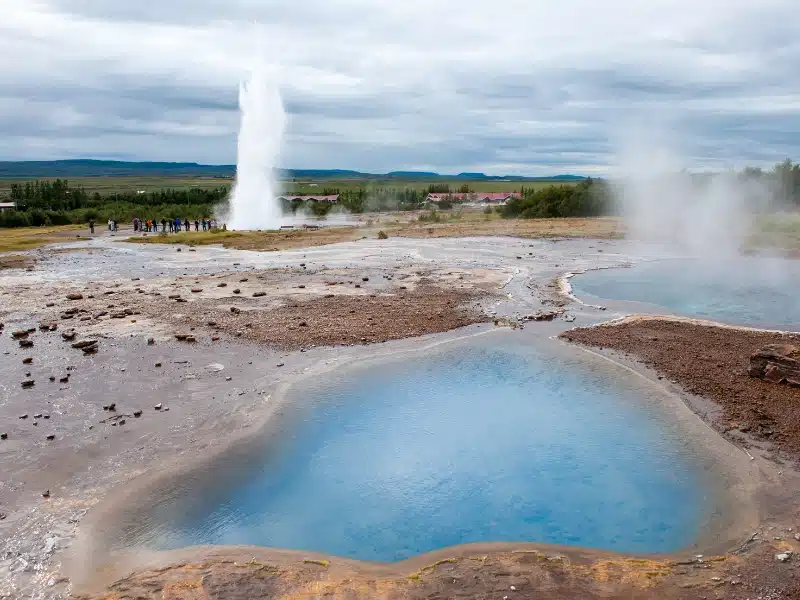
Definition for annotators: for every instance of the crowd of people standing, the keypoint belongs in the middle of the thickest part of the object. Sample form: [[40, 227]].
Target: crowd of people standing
[[173, 225], [167, 225]]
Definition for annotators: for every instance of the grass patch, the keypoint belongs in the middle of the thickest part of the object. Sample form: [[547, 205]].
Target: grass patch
[[312, 561], [28, 238], [418, 575]]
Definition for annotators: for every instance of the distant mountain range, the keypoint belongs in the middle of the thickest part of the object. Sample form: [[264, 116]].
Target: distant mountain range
[[113, 168]]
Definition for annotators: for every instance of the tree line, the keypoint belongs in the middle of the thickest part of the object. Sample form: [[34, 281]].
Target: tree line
[[57, 202]]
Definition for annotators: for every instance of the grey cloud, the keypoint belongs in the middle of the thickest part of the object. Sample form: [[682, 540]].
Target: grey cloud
[[387, 86]]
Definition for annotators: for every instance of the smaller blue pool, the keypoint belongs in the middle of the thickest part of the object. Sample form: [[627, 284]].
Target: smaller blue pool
[[490, 441], [753, 291]]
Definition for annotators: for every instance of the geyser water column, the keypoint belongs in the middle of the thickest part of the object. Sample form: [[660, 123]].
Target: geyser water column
[[254, 203]]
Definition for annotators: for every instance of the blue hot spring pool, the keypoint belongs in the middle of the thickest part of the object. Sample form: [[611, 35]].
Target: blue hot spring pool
[[494, 440], [753, 291]]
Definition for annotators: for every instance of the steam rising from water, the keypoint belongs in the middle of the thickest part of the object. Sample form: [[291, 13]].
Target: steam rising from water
[[702, 215], [254, 203]]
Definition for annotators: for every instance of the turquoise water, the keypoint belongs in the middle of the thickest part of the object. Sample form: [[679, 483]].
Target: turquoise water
[[760, 292], [483, 442]]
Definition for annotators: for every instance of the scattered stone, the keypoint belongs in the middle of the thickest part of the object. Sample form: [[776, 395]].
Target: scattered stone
[[37, 416], [28, 383], [19, 334], [178, 250], [151, 341], [235, 310], [223, 284], [259, 294], [3, 436], [237, 291], [23, 417], [228, 378], [102, 313], [302, 287], [52, 326], [174, 296], [46, 494], [137, 413], [303, 324], [214, 338], [111, 407], [27, 361], [84, 344], [279, 365], [122, 422], [69, 335], [50, 304], [243, 280], [52, 377], [197, 290], [777, 363], [64, 379], [158, 364], [51, 437], [75, 296], [158, 406], [784, 556], [365, 279], [185, 337], [212, 323]]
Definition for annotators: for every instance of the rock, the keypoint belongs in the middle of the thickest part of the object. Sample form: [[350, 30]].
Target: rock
[[174, 296], [215, 368], [50, 304], [158, 364], [28, 383], [243, 280], [279, 365], [52, 377], [51, 437], [237, 291], [19, 334], [137, 413], [301, 287], [122, 422], [84, 344], [303, 324], [197, 290], [102, 313], [214, 338], [185, 337], [69, 335], [235, 310], [223, 284], [64, 379], [776, 363], [23, 417], [3, 436], [151, 341], [27, 361], [158, 406], [228, 378], [37, 416], [177, 249], [46, 494], [365, 279], [74, 296], [212, 323], [259, 294], [784, 556], [569, 318]]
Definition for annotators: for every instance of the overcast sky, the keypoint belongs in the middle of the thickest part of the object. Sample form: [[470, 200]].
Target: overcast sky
[[501, 86]]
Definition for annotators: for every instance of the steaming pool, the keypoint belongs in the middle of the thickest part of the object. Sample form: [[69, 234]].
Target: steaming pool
[[495, 439], [753, 291]]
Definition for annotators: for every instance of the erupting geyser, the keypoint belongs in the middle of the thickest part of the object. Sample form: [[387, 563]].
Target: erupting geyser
[[254, 204]]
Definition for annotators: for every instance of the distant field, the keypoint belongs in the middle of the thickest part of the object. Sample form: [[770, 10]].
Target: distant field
[[111, 185]]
